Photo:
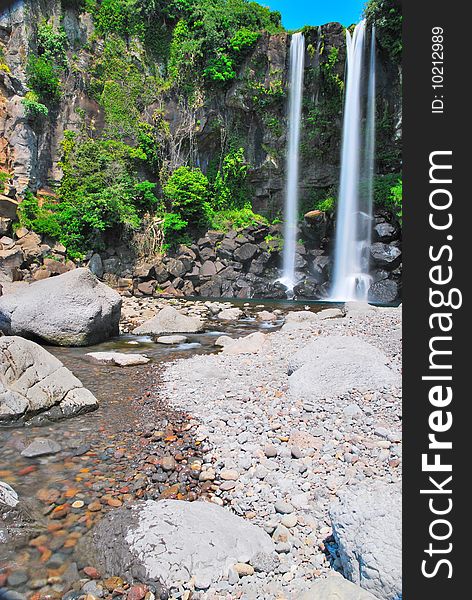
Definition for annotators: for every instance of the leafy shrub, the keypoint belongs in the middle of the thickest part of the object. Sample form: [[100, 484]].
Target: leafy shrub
[[33, 107], [99, 190], [220, 68], [224, 220], [52, 44], [187, 191], [230, 182], [388, 20], [395, 200], [327, 205], [243, 40], [383, 185], [42, 78]]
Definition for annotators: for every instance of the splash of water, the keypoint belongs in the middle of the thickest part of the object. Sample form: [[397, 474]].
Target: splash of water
[[354, 215], [297, 66]]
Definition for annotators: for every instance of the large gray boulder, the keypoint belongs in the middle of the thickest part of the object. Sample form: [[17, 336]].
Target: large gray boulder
[[172, 541], [73, 309], [170, 320], [336, 588], [33, 381], [367, 526], [334, 365]]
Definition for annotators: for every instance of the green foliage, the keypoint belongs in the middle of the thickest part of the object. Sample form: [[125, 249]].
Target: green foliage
[[395, 200], [328, 68], [243, 40], [383, 185], [99, 190], [388, 20], [220, 68], [188, 193], [118, 82], [52, 44], [172, 228], [263, 96], [33, 107], [224, 220], [327, 205], [230, 182], [42, 78]]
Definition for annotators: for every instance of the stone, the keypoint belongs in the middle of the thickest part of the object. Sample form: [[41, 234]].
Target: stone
[[96, 265], [315, 369], [172, 541], [243, 569], [176, 267], [223, 340], [208, 269], [33, 381], [245, 252], [335, 587], [289, 520], [86, 312], [284, 508], [10, 262], [119, 359], [270, 451], [385, 232], [249, 344], [41, 447], [31, 245], [170, 320], [229, 475], [301, 316], [266, 316], [172, 339], [385, 255], [264, 563], [230, 314], [386, 291], [367, 527]]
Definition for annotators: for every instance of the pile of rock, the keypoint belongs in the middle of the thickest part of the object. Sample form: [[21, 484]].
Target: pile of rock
[[386, 260]]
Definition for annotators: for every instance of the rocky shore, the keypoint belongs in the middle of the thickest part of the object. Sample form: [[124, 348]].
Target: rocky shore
[[289, 437], [280, 459]]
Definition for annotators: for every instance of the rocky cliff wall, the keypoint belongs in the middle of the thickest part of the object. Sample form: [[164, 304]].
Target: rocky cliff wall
[[252, 112]]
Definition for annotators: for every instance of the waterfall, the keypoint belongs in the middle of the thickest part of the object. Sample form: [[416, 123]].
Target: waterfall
[[297, 65], [354, 212]]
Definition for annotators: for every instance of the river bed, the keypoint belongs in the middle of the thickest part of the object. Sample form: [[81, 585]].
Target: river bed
[[110, 457]]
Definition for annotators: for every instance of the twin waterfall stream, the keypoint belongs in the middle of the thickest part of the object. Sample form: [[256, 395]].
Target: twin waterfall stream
[[351, 280]]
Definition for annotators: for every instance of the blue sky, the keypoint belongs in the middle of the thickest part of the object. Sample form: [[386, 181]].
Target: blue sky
[[297, 13]]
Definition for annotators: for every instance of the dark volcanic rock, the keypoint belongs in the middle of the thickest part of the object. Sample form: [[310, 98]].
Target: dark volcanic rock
[[384, 255], [246, 252], [386, 291]]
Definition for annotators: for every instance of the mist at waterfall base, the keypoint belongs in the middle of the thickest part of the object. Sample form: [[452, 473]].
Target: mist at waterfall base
[[297, 66], [351, 279]]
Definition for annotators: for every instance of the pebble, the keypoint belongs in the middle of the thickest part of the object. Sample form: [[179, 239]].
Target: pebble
[[229, 475], [289, 520], [283, 508], [243, 569]]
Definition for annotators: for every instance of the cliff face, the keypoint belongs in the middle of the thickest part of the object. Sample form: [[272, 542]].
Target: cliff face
[[251, 113]]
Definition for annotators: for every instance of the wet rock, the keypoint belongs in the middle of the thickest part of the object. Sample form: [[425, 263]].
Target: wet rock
[[172, 339], [170, 320], [173, 541], [85, 311], [33, 381], [230, 314], [385, 255], [41, 447], [119, 359], [367, 527], [386, 291]]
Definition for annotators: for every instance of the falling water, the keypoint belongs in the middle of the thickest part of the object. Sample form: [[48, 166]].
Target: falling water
[[297, 64], [354, 217]]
